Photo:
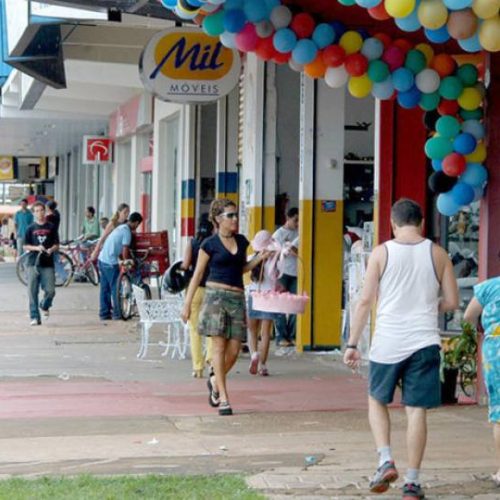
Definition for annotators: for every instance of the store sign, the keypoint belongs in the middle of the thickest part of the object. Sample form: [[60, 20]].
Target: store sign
[[186, 65], [97, 150], [6, 168]]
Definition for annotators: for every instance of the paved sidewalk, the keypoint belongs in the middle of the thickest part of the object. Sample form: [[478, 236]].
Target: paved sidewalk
[[75, 399]]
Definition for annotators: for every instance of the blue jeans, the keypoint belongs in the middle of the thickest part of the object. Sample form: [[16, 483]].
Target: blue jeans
[[285, 327], [45, 278], [108, 306]]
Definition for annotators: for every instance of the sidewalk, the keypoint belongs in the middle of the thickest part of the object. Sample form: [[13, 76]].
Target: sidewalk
[[74, 399]]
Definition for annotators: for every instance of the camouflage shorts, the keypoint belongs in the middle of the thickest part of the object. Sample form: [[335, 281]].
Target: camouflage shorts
[[223, 314]]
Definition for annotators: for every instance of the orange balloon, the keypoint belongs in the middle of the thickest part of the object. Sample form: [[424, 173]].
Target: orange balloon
[[317, 68], [444, 64], [384, 38], [379, 13]]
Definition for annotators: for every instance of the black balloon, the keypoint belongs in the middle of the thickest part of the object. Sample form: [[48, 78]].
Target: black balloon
[[430, 119], [439, 182]]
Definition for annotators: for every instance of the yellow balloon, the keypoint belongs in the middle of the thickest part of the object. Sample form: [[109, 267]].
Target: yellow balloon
[[427, 50], [360, 86], [470, 99], [351, 42], [399, 8], [489, 34], [432, 14], [486, 8], [479, 155]]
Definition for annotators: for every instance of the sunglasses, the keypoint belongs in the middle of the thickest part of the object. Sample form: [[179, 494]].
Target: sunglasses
[[229, 215]]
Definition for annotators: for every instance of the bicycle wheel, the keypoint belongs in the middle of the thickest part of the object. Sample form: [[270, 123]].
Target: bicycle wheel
[[124, 296], [22, 268], [91, 273], [64, 269]]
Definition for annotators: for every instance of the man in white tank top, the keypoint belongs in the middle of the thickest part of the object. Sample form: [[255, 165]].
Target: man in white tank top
[[411, 279]]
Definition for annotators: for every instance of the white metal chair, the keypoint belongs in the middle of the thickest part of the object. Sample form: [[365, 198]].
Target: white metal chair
[[166, 311]]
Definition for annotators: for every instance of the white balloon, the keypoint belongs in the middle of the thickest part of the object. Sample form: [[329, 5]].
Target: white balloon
[[281, 17], [336, 77], [228, 40], [428, 81]]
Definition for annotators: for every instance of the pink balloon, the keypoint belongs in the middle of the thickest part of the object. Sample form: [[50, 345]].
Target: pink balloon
[[247, 39], [394, 57]]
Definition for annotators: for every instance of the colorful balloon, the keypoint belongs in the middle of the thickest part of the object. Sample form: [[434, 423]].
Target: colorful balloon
[[454, 164]]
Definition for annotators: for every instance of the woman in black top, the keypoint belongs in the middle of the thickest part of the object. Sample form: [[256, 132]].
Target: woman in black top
[[223, 315], [205, 230]]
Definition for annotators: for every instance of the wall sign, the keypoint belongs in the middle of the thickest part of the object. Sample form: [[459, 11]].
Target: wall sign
[[97, 150], [185, 65], [6, 168]]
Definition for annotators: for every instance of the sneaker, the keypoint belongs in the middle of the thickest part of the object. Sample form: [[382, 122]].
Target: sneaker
[[264, 372], [45, 313], [35, 322], [225, 409], [385, 475], [254, 363], [411, 491]]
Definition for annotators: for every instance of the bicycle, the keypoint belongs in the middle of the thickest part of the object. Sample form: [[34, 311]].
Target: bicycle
[[62, 263], [132, 272], [84, 268]]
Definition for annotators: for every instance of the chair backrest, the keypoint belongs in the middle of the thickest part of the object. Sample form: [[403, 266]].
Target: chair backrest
[[166, 310]]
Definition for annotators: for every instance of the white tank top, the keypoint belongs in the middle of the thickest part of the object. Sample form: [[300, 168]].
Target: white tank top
[[408, 303]]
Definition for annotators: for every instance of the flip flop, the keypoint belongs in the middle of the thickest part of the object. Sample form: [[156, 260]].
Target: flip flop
[[213, 396]]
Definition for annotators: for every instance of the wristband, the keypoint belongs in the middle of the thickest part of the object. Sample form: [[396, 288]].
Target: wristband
[[351, 346]]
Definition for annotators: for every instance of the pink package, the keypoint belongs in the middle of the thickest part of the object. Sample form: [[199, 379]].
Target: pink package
[[285, 303]]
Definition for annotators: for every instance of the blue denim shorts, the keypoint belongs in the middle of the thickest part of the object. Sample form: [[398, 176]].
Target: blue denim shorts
[[419, 376], [253, 314]]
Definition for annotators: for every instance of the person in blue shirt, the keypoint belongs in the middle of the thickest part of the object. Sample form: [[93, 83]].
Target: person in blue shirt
[[486, 305], [117, 243], [22, 220]]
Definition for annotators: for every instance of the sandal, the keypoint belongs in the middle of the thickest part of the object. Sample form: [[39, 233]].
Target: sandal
[[225, 409], [213, 396], [263, 371]]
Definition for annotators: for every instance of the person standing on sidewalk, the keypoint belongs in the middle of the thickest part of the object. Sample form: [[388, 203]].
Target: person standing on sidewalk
[[413, 281], [223, 315], [90, 226], [486, 305], [288, 234], [53, 216], [205, 230], [118, 243], [119, 217], [22, 220], [42, 241]]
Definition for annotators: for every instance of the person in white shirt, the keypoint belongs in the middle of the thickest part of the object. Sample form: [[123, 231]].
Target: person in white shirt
[[288, 234], [412, 281]]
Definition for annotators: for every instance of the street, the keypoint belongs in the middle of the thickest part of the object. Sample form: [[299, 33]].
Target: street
[[75, 399]]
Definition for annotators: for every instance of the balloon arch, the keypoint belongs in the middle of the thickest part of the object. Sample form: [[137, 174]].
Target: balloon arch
[[449, 90]]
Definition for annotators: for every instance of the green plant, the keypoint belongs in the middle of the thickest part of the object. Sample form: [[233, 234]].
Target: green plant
[[460, 353]]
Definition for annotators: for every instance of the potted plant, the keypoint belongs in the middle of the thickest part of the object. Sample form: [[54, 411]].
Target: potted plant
[[459, 363]]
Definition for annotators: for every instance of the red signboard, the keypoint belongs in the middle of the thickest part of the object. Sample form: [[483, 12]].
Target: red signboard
[[97, 150]]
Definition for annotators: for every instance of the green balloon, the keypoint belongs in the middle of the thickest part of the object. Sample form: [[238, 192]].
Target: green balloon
[[415, 61], [451, 88], [213, 25], [347, 3], [438, 148], [429, 102], [475, 114], [468, 75], [378, 71], [448, 127]]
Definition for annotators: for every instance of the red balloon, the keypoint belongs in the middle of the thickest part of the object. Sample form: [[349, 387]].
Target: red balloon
[[454, 164], [394, 57], [447, 107], [303, 25], [379, 13], [384, 38], [265, 49], [280, 58], [403, 44], [334, 56], [356, 64]]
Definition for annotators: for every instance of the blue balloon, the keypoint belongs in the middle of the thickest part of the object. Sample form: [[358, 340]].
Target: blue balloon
[[403, 79], [323, 35], [475, 128], [446, 205], [368, 4], [462, 194], [457, 4], [284, 40], [409, 23], [339, 29], [475, 175], [471, 44], [440, 35], [228, 40], [169, 4], [364, 34], [437, 165], [383, 90], [464, 143], [271, 4], [372, 49], [305, 51], [410, 98], [234, 20], [234, 4], [256, 11]]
